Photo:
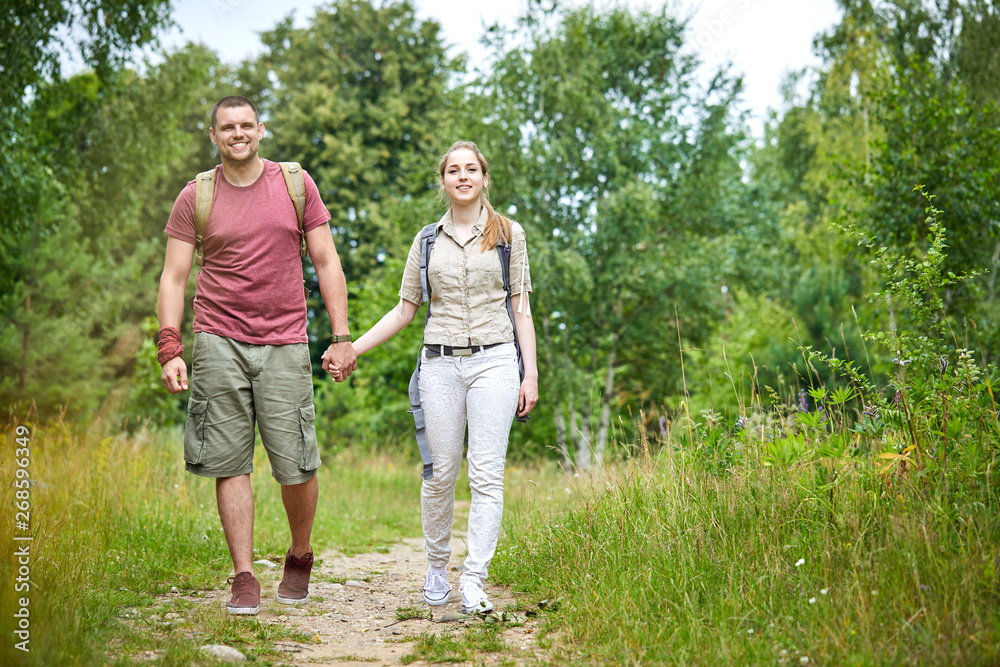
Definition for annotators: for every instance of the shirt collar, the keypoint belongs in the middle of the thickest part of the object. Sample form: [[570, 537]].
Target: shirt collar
[[447, 225]]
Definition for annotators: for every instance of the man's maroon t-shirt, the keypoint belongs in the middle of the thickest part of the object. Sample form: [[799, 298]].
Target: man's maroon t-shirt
[[250, 288]]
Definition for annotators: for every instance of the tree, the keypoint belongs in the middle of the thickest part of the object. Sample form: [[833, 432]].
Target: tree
[[50, 273], [83, 270], [360, 96], [605, 152]]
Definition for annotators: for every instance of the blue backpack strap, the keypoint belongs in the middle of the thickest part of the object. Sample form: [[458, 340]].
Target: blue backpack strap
[[427, 237]]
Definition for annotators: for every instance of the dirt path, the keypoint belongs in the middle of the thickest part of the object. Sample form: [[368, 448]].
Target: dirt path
[[353, 614], [353, 606]]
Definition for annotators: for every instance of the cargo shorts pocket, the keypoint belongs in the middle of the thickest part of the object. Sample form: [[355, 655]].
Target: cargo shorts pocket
[[309, 456], [194, 430]]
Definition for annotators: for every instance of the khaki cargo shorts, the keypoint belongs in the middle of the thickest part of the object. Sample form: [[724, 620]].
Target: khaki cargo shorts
[[234, 385]]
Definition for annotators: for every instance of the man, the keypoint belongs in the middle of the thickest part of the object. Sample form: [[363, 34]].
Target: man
[[251, 359]]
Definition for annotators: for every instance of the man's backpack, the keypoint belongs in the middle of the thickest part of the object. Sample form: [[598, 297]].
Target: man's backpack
[[428, 235], [204, 192]]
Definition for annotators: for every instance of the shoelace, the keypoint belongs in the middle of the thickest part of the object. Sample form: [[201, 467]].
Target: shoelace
[[435, 582], [242, 587]]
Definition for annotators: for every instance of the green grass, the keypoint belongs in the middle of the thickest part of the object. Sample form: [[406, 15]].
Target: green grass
[[406, 613], [472, 641], [691, 556], [671, 563], [438, 649], [117, 522]]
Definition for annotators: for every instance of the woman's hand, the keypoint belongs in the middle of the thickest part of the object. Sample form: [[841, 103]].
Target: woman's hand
[[340, 360], [528, 396]]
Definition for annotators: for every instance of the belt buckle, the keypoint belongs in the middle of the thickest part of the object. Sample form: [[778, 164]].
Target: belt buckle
[[461, 351]]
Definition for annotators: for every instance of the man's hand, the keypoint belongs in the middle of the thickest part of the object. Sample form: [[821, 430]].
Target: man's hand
[[340, 361], [175, 375]]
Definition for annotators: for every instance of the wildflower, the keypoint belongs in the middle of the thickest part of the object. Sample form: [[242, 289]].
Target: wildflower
[[823, 591], [812, 600], [803, 401], [750, 631], [804, 660], [967, 370], [741, 423], [801, 561], [663, 426]]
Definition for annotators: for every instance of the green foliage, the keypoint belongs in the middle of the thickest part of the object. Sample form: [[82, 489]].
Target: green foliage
[[603, 151], [116, 522], [106, 33], [940, 401], [935, 138], [359, 97], [48, 359], [671, 563], [149, 406], [84, 255]]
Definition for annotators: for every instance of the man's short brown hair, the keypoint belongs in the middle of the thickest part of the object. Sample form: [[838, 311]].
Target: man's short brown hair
[[232, 102]]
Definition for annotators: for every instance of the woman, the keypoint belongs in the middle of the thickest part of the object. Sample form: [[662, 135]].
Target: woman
[[469, 371]]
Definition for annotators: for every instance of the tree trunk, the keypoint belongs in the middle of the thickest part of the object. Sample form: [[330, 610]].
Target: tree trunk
[[585, 438], [609, 390], [992, 292], [560, 423], [22, 370], [582, 449], [609, 386]]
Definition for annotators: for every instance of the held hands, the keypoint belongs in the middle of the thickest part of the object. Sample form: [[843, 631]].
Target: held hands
[[340, 360], [528, 396], [174, 375]]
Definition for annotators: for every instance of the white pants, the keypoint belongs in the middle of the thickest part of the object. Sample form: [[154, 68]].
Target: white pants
[[480, 390]]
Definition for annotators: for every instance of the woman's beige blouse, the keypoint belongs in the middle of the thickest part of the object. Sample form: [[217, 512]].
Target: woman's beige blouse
[[468, 302]]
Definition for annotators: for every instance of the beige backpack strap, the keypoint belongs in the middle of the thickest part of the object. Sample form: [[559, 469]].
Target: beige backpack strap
[[204, 191], [296, 185]]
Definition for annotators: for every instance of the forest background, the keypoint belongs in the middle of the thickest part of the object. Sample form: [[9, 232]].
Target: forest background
[[683, 266]]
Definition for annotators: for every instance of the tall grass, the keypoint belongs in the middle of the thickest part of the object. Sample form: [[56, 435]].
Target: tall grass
[[117, 521], [675, 563]]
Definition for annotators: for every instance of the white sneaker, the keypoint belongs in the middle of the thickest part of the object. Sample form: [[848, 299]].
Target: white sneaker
[[474, 600], [436, 588]]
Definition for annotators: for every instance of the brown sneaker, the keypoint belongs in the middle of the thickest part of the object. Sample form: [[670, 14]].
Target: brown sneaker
[[294, 586], [246, 594]]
